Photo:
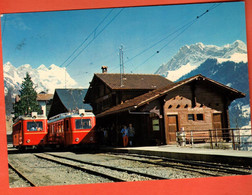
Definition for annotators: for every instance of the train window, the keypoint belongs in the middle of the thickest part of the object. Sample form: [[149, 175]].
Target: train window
[[34, 126], [83, 124]]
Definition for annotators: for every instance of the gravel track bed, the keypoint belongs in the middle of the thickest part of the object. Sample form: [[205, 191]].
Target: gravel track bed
[[166, 172], [218, 170], [45, 173], [119, 174], [117, 161], [16, 181]]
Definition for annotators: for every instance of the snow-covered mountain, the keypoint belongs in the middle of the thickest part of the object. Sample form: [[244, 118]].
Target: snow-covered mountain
[[190, 57], [227, 65], [44, 79]]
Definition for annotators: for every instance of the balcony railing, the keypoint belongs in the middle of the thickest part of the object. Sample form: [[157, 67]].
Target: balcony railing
[[236, 139]]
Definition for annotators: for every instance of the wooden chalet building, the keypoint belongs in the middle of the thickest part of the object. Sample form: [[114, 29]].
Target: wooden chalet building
[[68, 100], [196, 103], [108, 90]]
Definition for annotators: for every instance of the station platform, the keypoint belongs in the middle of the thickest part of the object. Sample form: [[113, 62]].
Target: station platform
[[234, 157]]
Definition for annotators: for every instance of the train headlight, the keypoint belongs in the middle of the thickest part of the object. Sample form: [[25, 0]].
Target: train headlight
[[77, 139], [28, 141]]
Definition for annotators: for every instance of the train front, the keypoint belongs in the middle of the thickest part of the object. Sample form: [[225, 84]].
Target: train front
[[82, 129], [30, 131]]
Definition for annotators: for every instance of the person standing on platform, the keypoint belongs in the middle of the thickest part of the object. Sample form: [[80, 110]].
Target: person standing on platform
[[131, 134], [125, 134]]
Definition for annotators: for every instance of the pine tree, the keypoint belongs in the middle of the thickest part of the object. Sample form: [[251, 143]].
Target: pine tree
[[28, 99]]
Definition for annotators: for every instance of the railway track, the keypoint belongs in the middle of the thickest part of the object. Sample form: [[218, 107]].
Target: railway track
[[112, 173], [204, 168], [21, 175], [80, 168]]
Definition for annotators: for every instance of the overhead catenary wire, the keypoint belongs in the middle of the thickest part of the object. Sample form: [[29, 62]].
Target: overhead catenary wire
[[95, 36], [153, 45], [183, 28], [93, 32]]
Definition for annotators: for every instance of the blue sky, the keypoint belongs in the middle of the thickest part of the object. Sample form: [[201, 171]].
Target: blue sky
[[51, 37]]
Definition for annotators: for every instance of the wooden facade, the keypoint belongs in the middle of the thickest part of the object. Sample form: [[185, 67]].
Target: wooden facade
[[197, 103]]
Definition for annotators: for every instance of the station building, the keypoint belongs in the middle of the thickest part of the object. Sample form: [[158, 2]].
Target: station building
[[158, 108]]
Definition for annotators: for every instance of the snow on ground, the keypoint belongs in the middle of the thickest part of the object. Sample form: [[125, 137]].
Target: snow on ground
[[174, 75], [236, 57]]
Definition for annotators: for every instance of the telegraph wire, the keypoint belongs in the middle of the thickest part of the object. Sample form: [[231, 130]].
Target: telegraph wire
[[189, 25], [93, 32], [183, 28], [95, 37]]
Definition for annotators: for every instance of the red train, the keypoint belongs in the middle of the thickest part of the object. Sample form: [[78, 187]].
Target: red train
[[65, 129], [71, 129], [29, 131]]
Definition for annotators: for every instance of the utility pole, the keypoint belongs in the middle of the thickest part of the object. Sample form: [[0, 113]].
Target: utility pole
[[121, 64]]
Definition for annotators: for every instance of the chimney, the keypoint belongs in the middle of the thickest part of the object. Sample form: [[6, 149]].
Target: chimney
[[104, 69]]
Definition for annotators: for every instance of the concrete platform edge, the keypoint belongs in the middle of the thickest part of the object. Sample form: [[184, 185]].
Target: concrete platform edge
[[231, 160]]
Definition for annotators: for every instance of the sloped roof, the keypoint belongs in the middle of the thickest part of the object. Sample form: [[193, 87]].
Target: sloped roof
[[73, 98], [44, 97], [133, 81], [67, 100], [152, 95]]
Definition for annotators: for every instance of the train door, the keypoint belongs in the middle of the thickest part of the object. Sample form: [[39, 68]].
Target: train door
[[21, 133], [171, 128], [67, 132], [17, 134]]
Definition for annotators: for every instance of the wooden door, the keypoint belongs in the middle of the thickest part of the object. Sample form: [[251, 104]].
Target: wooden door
[[171, 129], [217, 126]]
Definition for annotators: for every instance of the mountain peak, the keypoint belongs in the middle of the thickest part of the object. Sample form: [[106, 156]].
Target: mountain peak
[[42, 67], [25, 66], [8, 67], [195, 54], [53, 66], [44, 78], [240, 44]]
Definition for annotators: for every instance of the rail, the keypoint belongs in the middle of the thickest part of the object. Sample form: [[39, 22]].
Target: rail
[[227, 138]]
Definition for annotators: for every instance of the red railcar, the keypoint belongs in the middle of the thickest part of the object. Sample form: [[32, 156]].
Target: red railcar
[[29, 131], [71, 129]]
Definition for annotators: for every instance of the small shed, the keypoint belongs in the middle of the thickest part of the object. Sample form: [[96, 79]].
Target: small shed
[[68, 100]]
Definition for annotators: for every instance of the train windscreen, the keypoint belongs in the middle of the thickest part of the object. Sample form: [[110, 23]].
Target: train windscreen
[[34, 126], [83, 124]]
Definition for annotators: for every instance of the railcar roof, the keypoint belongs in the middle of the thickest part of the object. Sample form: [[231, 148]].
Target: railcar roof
[[39, 117], [69, 115]]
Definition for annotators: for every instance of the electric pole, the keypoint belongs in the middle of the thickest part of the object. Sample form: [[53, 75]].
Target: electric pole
[[121, 64]]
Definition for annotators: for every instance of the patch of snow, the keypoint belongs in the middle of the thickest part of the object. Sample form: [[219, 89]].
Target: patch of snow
[[229, 84], [236, 57], [246, 111], [176, 74]]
